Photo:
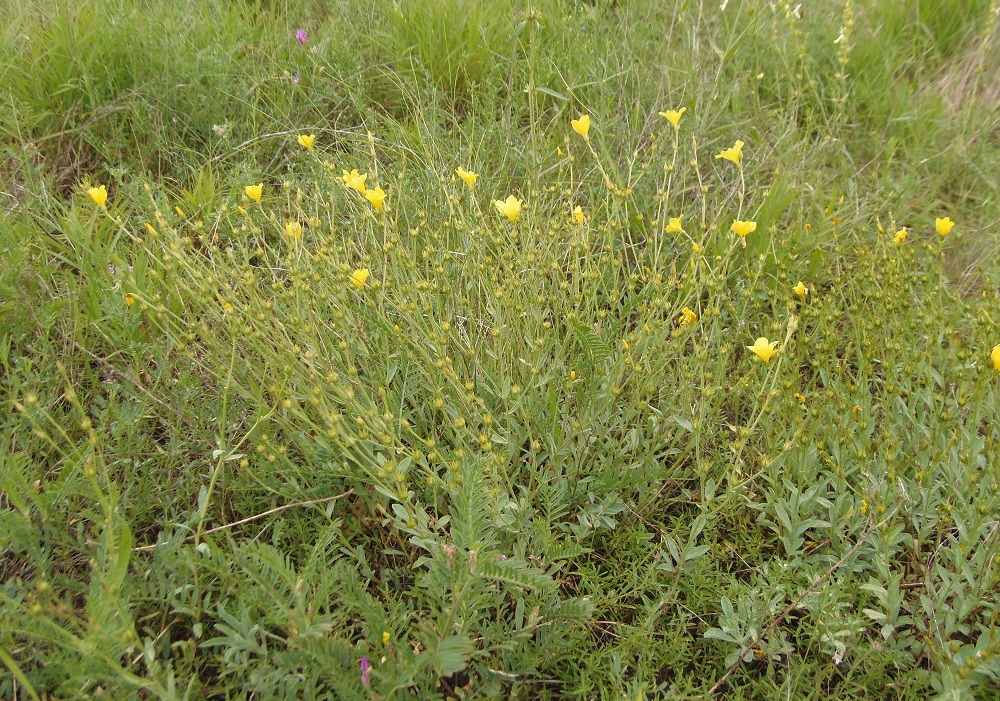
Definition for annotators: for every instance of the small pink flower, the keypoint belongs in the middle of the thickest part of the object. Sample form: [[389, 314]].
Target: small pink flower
[[301, 35], [297, 78], [364, 671]]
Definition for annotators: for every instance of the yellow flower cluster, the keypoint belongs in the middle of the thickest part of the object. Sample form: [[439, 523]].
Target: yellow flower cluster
[[356, 181], [943, 226]]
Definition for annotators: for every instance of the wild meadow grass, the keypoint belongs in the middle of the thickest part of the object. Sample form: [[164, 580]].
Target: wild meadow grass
[[523, 350]]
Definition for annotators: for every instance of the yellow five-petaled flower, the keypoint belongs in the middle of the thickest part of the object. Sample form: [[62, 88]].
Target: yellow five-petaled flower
[[582, 125], [800, 289], [468, 176], [944, 226], [294, 229], [674, 226], [254, 192], [742, 228], [674, 116], [995, 357], [900, 236], [376, 197], [355, 180], [764, 349], [359, 278], [687, 316], [510, 208], [734, 154], [99, 195], [578, 214], [307, 141]]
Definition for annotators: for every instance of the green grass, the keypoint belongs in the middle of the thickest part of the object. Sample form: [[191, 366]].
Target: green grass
[[501, 467]]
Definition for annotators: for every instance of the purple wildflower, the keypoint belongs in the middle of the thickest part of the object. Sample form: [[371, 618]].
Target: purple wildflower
[[301, 35], [297, 78], [364, 671]]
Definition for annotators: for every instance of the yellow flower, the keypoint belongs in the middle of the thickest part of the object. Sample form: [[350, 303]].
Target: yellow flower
[[674, 116], [900, 236], [150, 229], [307, 141], [180, 212], [239, 208], [582, 125], [864, 507], [99, 195], [294, 229], [696, 248], [254, 191], [578, 215], [743, 228], [763, 349], [687, 316], [468, 176], [376, 197], [734, 154], [227, 307], [944, 226], [385, 638], [674, 226], [510, 208], [359, 278], [129, 299], [995, 357], [355, 181], [800, 289]]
